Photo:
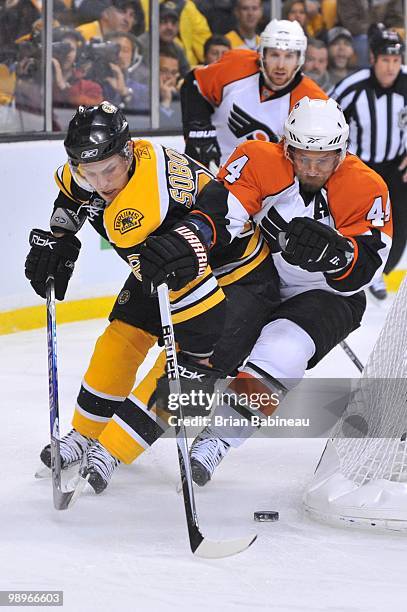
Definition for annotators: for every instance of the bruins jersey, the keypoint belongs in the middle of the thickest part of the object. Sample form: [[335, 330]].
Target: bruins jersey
[[244, 108], [162, 189], [258, 182]]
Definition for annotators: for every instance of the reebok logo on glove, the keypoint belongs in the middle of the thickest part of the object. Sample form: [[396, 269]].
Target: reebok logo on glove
[[42, 242], [196, 245]]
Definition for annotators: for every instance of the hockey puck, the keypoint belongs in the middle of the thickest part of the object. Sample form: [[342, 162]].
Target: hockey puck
[[266, 515]]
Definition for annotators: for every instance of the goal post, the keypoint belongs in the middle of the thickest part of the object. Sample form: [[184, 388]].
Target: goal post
[[361, 478]]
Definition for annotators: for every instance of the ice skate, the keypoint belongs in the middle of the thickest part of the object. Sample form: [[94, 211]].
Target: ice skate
[[207, 451], [98, 466]]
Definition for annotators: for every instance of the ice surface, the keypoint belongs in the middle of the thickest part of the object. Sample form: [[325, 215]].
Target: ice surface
[[127, 549]]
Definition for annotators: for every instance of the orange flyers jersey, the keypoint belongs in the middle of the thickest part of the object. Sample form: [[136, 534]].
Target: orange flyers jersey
[[244, 108], [259, 182]]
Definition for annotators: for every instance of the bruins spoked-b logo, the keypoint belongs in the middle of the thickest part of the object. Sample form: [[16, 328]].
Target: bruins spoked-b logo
[[127, 220]]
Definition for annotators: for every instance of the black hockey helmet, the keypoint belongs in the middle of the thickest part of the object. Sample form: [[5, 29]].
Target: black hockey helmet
[[95, 133], [385, 42]]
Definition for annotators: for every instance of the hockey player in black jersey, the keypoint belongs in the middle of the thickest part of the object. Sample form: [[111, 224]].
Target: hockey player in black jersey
[[132, 192]]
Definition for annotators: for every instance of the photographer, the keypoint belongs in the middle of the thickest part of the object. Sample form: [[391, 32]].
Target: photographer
[[70, 87], [134, 94]]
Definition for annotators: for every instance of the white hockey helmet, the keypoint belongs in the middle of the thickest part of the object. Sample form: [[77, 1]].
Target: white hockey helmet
[[285, 35], [317, 125]]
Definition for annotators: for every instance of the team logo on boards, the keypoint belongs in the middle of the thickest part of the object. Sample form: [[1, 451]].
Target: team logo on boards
[[127, 220], [242, 125]]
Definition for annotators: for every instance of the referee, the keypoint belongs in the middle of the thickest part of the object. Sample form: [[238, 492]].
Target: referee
[[374, 101]]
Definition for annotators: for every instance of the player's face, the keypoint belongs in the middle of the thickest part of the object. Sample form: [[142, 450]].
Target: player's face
[[108, 177], [280, 65], [313, 168], [386, 69]]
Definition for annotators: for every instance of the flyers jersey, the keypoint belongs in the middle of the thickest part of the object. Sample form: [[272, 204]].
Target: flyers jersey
[[244, 109], [259, 182]]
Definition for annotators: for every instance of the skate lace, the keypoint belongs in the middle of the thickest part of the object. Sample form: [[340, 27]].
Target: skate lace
[[209, 452], [102, 461], [73, 445]]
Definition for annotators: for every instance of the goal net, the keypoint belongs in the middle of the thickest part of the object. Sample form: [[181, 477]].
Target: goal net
[[361, 478]]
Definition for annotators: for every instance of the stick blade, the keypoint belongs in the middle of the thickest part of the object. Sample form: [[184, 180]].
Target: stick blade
[[66, 499], [211, 549]]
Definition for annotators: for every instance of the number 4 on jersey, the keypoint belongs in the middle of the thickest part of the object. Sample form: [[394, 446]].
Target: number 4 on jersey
[[235, 168], [376, 215]]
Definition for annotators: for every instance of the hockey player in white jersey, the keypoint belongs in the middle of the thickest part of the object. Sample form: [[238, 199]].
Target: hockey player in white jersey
[[247, 95], [327, 218]]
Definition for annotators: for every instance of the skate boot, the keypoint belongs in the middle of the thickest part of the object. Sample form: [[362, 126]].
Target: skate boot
[[378, 289], [207, 451], [72, 447], [98, 466]]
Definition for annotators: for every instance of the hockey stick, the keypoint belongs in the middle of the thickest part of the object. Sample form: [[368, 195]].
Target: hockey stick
[[351, 355], [200, 545], [62, 499]]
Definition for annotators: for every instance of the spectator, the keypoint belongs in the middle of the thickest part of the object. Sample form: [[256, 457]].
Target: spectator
[[16, 19], [168, 34], [219, 14], [315, 21], [340, 52], [248, 15], [214, 48], [115, 16], [193, 28], [316, 63], [134, 96], [170, 106], [353, 15], [70, 85], [308, 15], [294, 10]]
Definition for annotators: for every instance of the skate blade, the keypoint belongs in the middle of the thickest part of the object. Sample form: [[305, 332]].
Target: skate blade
[[42, 472]]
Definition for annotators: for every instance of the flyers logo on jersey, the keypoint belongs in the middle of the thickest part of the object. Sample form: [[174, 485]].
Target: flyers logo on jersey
[[242, 125], [127, 220]]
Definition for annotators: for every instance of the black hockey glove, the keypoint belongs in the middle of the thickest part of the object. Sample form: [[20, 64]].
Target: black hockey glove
[[315, 247], [51, 256], [175, 258], [195, 378], [201, 143]]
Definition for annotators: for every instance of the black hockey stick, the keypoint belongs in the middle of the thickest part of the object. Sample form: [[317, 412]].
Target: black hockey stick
[[200, 546], [62, 498], [352, 355]]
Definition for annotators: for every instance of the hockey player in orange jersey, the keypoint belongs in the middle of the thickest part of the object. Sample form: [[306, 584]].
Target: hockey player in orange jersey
[[327, 219], [247, 95]]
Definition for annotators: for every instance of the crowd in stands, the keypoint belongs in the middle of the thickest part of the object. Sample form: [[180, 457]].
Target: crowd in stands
[[101, 48]]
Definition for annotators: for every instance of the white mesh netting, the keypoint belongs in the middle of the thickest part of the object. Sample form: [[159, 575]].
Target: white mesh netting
[[363, 470]]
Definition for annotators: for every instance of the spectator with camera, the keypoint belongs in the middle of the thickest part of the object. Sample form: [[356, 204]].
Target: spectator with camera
[[126, 91]]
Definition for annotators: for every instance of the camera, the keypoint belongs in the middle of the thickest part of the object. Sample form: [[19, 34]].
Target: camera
[[99, 55]]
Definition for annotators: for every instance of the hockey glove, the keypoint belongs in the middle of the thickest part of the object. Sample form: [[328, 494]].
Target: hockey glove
[[194, 377], [175, 258], [315, 247], [201, 143], [51, 256]]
